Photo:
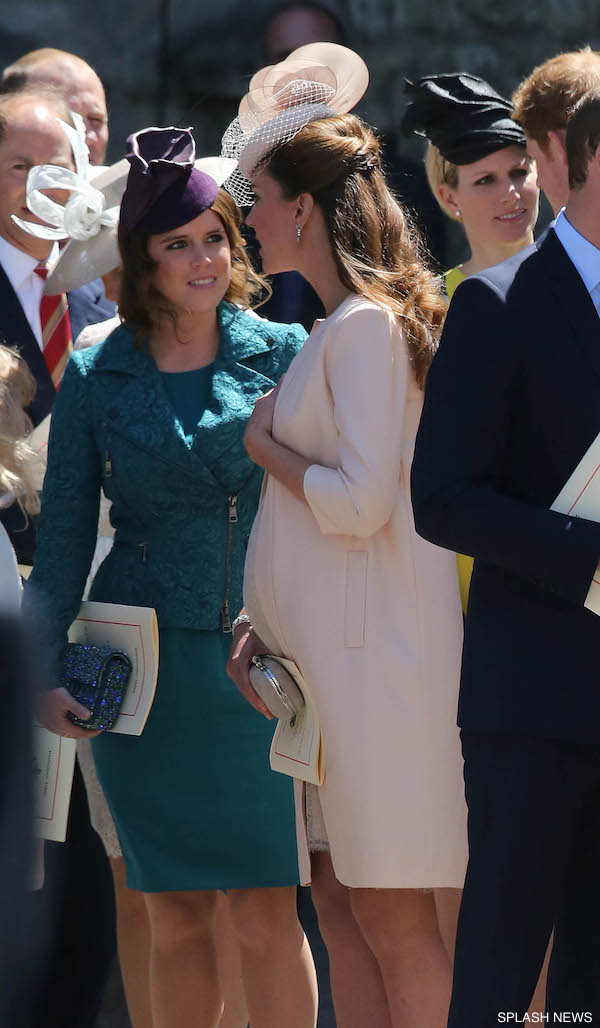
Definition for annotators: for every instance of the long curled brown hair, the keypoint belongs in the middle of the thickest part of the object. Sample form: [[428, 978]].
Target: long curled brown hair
[[377, 248], [143, 306]]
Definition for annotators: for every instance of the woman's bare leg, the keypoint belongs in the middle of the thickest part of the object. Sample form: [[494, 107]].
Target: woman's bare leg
[[401, 928], [133, 940], [447, 904], [235, 1014], [356, 984], [279, 974], [184, 981]]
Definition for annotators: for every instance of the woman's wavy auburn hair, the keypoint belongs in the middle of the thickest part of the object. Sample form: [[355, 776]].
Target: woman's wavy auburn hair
[[17, 389], [377, 248], [143, 306]]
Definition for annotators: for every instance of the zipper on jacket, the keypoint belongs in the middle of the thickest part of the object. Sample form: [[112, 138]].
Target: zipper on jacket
[[107, 464], [231, 521]]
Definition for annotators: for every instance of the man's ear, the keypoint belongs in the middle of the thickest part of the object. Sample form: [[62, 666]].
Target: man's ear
[[304, 208], [558, 145]]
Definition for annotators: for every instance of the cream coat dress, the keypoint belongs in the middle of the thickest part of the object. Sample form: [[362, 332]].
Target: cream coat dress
[[369, 611]]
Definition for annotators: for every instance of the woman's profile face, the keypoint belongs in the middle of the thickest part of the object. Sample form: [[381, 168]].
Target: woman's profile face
[[497, 196], [273, 219], [193, 263]]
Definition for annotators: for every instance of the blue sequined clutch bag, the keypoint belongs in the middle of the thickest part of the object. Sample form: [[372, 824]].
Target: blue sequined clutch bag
[[97, 677]]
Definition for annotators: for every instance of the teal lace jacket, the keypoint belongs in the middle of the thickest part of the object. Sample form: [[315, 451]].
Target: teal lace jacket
[[182, 514]]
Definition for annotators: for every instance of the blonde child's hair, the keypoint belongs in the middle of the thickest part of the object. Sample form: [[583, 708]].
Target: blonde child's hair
[[17, 459]]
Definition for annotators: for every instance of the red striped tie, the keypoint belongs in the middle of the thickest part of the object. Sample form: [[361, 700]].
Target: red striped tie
[[57, 341]]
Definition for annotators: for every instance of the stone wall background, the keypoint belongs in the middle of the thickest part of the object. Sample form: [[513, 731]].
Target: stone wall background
[[214, 49]]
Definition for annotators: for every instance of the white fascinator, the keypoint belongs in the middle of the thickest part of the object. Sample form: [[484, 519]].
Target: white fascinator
[[85, 212], [316, 81]]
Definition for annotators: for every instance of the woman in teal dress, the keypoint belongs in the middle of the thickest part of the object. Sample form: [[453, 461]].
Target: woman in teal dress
[[155, 416]]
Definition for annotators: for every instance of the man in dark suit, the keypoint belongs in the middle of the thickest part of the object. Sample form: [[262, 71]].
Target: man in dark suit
[[512, 404], [83, 92], [30, 134]]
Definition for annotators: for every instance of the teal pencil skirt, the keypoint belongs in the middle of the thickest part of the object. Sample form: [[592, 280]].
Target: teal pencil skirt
[[195, 803]]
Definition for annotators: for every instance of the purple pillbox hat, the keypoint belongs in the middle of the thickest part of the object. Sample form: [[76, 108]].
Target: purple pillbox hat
[[164, 190]]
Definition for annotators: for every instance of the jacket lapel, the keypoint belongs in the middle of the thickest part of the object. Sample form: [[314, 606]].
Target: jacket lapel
[[217, 454], [135, 388], [15, 331], [236, 386], [572, 297]]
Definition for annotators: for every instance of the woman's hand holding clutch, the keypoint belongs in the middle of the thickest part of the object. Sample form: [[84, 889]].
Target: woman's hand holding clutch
[[52, 709], [245, 645]]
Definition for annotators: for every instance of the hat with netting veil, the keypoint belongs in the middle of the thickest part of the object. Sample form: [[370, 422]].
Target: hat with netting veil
[[316, 81]]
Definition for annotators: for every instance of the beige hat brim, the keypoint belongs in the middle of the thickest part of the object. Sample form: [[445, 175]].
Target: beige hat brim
[[81, 262]]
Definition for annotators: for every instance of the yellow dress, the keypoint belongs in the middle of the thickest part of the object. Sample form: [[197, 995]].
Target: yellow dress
[[453, 278]]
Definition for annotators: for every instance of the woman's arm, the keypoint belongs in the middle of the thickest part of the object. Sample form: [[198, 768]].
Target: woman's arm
[[367, 373], [287, 466], [461, 451], [245, 645]]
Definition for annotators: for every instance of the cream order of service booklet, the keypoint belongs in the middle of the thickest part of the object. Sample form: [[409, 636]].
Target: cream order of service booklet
[[134, 631], [53, 764], [297, 746], [580, 497]]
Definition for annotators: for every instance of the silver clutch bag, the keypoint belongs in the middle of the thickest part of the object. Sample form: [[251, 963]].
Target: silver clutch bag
[[276, 687]]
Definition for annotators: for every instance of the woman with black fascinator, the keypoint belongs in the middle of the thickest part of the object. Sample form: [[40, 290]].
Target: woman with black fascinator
[[481, 176]]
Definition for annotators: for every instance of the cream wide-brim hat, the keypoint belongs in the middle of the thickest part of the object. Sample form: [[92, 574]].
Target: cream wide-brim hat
[[81, 262]]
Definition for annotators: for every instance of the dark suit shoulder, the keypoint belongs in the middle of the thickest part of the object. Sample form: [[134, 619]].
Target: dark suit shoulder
[[501, 277], [87, 306]]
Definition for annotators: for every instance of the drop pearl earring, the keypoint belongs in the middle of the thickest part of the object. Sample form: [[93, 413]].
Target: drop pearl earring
[[298, 232]]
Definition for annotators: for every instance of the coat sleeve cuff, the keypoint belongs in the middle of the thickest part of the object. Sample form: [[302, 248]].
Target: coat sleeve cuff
[[320, 486]]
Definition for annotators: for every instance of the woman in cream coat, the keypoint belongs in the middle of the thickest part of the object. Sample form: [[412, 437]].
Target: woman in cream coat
[[338, 580]]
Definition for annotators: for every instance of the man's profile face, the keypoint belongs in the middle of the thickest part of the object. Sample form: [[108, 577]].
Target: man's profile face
[[83, 92], [552, 170], [296, 27], [33, 136]]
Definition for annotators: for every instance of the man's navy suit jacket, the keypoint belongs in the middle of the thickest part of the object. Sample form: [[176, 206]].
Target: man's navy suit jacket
[[87, 306], [512, 403]]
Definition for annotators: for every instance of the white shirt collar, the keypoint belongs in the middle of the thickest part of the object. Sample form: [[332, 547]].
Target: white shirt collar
[[583, 254], [16, 264]]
